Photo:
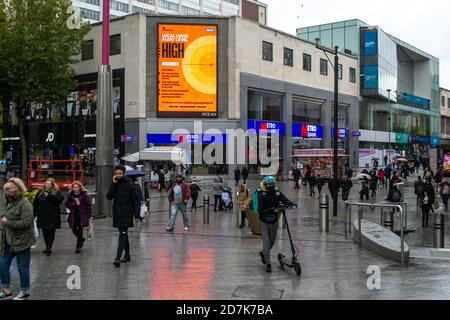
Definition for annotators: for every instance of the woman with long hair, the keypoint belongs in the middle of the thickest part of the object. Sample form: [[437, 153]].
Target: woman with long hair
[[16, 238], [46, 207], [80, 205]]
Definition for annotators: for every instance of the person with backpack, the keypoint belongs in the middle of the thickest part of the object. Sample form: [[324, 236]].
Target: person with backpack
[[444, 191], [269, 198], [373, 183], [195, 189], [242, 196], [394, 180], [346, 185], [419, 187]]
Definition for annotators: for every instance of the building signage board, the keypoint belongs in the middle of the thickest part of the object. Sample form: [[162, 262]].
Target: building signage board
[[435, 142], [417, 101], [371, 43], [187, 71], [342, 133], [401, 138], [267, 127], [371, 77], [173, 139], [311, 131]]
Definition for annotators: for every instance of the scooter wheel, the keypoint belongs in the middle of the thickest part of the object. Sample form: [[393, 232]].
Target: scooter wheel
[[298, 269]]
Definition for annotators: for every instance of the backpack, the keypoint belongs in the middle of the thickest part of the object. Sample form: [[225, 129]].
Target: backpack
[[396, 196], [255, 201]]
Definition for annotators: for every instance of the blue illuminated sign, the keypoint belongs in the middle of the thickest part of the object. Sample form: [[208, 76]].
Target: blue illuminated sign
[[171, 139], [371, 77], [342, 133], [417, 101], [370, 43], [311, 131], [261, 126], [435, 141]]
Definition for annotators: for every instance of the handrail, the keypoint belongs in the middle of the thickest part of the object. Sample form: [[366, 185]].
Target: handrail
[[374, 205]]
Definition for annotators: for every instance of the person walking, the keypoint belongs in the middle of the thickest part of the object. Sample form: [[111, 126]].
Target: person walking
[[296, 173], [331, 185], [242, 196], [373, 183], [244, 174], [126, 206], [364, 189], [444, 191], [138, 190], [161, 180], [320, 184], [419, 187], [388, 174], [16, 238], [179, 196], [269, 198], [80, 205], [312, 184], [381, 177], [218, 189], [237, 175], [47, 209], [346, 185], [393, 181], [386, 160], [195, 189], [426, 206]]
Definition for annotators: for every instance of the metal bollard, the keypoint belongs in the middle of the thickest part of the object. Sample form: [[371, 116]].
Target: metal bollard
[[206, 209], [388, 219], [324, 218], [438, 230]]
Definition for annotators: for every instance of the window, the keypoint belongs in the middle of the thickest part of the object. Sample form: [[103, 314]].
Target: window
[[143, 10], [267, 51], [443, 101], [306, 112], [115, 44], [152, 2], [264, 105], [323, 67], [90, 14], [340, 71], [119, 6], [94, 2], [188, 10], [352, 74], [168, 5], [448, 103], [288, 57], [212, 4], [307, 62], [236, 2], [87, 52]]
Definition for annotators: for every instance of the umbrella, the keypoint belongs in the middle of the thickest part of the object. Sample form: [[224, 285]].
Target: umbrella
[[133, 172], [375, 158], [363, 175], [394, 155], [401, 160]]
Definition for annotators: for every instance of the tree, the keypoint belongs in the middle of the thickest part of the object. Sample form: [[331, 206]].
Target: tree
[[37, 52]]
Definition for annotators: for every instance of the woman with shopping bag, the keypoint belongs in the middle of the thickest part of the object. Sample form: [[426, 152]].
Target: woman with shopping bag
[[16, 238], [80, 205]]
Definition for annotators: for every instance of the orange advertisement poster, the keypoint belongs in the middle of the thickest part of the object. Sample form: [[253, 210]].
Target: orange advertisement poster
[[187, 71]]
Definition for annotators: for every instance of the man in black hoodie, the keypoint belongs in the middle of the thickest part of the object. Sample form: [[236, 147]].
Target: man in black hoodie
[[126, 205]]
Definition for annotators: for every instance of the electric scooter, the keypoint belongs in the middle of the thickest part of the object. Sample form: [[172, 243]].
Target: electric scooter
[[293, 263]]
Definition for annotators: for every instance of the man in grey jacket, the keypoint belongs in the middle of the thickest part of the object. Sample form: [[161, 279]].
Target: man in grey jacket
[[218, 189]]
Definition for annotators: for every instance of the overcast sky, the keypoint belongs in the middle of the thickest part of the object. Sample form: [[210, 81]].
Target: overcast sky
[[424, 24]]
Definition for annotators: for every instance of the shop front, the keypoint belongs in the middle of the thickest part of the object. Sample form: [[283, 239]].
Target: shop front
[[321, 161]]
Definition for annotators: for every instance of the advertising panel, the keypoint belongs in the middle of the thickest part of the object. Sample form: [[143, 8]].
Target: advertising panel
[[447, 163], [311, 131], [371, 77], [267, 127], [370, 43], [187, 71]]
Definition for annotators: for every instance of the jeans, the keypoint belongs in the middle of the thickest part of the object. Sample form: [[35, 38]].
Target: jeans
[[445, 200], [23, 263], [124, 243], [419, 199], [173, 217], [78, 230], [269, 235]]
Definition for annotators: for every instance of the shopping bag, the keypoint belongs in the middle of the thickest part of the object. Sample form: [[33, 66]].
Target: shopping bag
[[143, 210], [14, 269]]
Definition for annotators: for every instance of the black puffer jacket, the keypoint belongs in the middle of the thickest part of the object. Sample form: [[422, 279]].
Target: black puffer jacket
[[47, 210], [126, 203]]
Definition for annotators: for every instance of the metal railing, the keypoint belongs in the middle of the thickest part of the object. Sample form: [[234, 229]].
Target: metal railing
[[372, 207]]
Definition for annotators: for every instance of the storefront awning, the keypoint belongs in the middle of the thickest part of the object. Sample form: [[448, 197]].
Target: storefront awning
[[173, 154]]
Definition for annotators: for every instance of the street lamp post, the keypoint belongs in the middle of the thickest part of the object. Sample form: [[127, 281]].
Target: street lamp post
[[335, 129], [105, 123], [390, 117]]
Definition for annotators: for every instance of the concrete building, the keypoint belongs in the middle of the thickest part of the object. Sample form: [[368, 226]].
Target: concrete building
[[263, 78], [445, 121], [399, 88]]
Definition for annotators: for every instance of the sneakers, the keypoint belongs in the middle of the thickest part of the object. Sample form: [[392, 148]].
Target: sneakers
[[186, 229], [5, 296], [23, 295], [268, 268], [263, 259]]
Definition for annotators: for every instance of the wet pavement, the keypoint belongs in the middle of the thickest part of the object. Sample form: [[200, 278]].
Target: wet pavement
[[220, 261]]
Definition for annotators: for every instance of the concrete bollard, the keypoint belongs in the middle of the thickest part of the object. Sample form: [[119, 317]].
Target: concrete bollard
[[438, 230], [324, 213], [206, 209]]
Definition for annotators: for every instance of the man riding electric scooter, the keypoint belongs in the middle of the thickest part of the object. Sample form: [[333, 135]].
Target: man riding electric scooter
[[269, 198]]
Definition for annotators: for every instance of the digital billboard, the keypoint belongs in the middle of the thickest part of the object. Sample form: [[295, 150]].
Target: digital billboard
[[370, 43], [187, 71]]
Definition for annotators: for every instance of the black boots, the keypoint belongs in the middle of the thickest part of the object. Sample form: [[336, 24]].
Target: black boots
[[126, 258]]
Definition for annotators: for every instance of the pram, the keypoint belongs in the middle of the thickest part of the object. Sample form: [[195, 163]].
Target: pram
[[227, 198]]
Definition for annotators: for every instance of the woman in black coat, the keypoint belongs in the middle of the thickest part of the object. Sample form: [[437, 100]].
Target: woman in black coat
[[47, 209], [126, 205]]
